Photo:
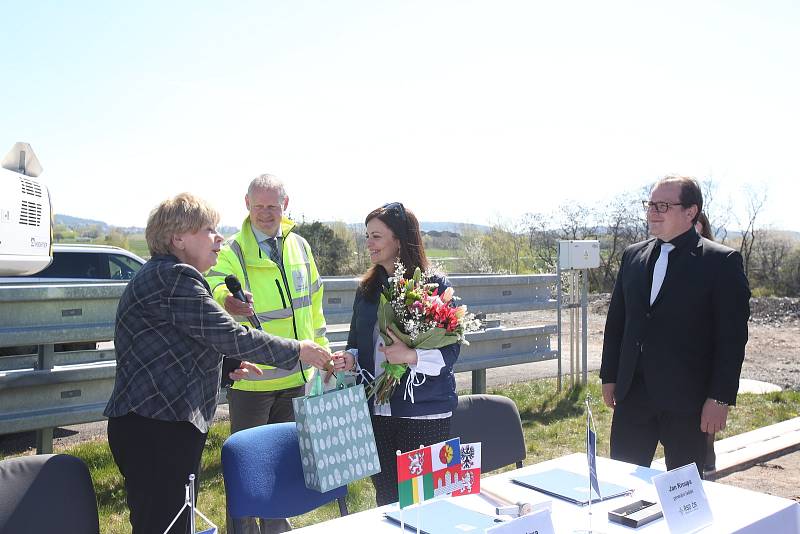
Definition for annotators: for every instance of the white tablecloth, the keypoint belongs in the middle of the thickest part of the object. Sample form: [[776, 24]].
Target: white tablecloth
[[734, 509]]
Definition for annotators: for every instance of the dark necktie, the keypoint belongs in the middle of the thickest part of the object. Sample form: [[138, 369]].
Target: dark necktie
[[272, 243]]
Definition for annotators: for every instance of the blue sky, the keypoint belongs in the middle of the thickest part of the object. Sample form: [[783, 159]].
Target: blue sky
[[471, 111]]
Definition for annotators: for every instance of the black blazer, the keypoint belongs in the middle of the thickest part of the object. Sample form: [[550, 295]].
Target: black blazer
[[691, 340]]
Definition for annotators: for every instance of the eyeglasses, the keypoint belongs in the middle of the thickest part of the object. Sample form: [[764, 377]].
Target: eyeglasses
[[660, 207], [398, 208]]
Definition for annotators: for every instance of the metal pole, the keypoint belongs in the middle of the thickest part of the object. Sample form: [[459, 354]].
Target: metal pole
[[576, 325], [571, 335], [559, 290], [588, 423], [191, 504], [44, 362], [584, 323], [479, 381]]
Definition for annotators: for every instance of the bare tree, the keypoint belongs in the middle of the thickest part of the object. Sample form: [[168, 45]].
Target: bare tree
[[790, 274], [770, 252], [717, 211], [576, 221], [755, 198], [621, 225], [542, 241]]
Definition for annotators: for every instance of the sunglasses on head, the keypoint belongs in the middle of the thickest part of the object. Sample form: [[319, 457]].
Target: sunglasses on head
[[397, 208]]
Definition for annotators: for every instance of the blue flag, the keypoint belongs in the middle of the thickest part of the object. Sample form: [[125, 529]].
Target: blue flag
[[591, 451]]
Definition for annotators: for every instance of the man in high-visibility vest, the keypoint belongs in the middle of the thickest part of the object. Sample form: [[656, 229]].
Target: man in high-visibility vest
[[278, 273]]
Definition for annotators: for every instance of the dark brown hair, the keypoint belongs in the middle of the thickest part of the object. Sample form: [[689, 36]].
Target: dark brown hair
[[703, 220], [405, 227], [690, 195]]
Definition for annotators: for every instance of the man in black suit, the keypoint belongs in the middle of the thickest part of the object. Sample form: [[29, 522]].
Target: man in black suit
[[675, 334]]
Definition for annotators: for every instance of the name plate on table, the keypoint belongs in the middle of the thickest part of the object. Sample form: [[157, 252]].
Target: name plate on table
[[536, 523], [683, 499]]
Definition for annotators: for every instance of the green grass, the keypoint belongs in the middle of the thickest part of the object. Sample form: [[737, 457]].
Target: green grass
[[553, 423], [138, 245], [434, 253]]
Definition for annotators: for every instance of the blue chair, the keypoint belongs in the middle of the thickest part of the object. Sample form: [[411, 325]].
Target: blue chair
[[264, 477]]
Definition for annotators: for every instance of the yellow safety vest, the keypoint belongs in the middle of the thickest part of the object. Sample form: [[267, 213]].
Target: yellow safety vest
[[289, 306]]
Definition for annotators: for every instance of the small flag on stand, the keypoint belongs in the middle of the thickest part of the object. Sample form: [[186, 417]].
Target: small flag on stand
[[446, 468], [470, 475], [591, 450], [414, 476], [446, 460]]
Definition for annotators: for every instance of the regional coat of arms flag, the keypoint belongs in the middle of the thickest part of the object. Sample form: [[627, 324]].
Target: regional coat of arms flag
[[446, 454], [470, 474], [446, 460], [414, 476]]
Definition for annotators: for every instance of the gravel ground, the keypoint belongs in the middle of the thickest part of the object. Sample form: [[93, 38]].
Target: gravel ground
[[772, 355], [778, 477]]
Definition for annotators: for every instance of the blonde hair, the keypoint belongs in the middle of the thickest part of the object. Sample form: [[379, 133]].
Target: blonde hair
[[184, 213]]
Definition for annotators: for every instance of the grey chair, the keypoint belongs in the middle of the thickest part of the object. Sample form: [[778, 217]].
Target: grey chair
[[47, 493], [494, 421]]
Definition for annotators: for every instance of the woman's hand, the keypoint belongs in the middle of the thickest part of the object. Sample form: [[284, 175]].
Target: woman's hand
[[235, 306], [342, 361], [313, 354], [245, 370], [398, 352]]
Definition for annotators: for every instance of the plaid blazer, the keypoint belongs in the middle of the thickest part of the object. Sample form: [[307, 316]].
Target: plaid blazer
[[170, 340]]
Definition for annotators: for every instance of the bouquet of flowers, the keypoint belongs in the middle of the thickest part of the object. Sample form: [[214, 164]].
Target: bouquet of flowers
[[421, 318]]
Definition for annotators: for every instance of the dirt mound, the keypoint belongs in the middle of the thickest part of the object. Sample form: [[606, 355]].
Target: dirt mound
[[774, 310]]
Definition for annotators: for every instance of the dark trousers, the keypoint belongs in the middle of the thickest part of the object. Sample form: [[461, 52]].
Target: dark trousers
[[255, 408], [155, 459], [638, 426], [394, 434]]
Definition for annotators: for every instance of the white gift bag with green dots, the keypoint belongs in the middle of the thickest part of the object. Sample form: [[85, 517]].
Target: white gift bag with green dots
[[337, 444]]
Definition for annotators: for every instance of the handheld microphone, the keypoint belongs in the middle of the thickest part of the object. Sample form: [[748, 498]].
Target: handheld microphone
[[235, 287]]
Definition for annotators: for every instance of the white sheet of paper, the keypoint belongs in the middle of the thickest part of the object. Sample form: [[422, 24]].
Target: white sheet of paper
[[683, 499], [535, 523]]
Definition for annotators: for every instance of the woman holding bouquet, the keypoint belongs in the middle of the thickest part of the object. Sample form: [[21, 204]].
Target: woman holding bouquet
[[418, 410]]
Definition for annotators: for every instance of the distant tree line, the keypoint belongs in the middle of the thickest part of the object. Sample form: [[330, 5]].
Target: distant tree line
[[529, 244], [92, 234]]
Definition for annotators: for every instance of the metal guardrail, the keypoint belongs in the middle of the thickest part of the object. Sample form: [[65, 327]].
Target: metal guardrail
[[50, 389], [482, 294]]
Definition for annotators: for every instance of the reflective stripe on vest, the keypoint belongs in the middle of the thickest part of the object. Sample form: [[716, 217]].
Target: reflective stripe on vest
[[237, 249], [301, 302], [267, 316], [273, 372], [316, 286], [320, 332], [282, 313]]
